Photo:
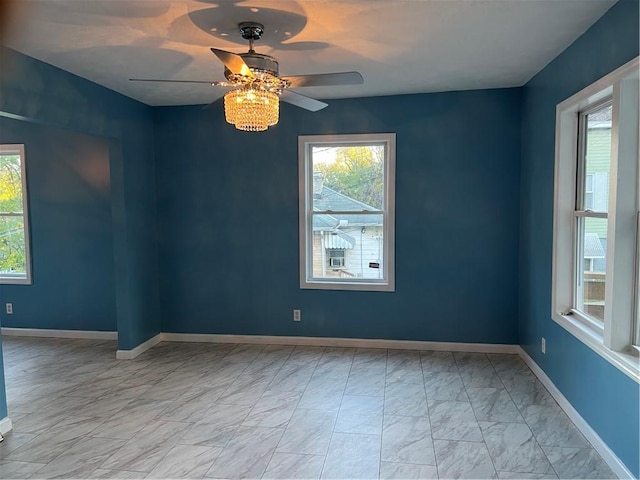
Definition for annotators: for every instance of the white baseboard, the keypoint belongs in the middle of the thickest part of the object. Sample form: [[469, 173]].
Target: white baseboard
[[264, 340], [341, 342], [590, 434], [46, 332], [5, 426], [143, 347]]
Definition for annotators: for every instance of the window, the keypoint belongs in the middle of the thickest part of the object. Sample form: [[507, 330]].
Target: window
[[596, 245], [594, 158], [347, 195], [336, 258], [15, 258], [588, 191]]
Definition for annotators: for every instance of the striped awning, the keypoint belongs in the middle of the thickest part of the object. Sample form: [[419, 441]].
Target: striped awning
[[338, 240]]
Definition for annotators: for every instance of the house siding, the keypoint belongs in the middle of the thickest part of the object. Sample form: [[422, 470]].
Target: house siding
[[367, 248], [599, 164]]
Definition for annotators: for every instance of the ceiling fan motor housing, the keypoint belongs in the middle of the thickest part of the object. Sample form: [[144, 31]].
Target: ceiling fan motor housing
[[259, 62], [265, 69]]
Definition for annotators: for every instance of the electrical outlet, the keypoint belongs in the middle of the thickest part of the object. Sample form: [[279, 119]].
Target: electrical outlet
[[296, 315], [543, 345], [9, 308]]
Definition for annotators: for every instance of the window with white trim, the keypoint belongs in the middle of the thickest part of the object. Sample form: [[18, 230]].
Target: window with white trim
[[347, 196], [15, 258], [596, 245]]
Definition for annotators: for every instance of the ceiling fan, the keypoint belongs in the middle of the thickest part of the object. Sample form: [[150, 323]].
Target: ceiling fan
[[257, 87]]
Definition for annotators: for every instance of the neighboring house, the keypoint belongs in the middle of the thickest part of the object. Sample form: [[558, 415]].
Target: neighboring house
[[598, 166], [596, 190], [345, 245]]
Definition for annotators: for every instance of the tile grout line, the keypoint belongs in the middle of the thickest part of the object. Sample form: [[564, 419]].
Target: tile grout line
[[299, 400], [384, 403], [266, 467], [486, 445], [535, 437], [326, 456], [426, 399]]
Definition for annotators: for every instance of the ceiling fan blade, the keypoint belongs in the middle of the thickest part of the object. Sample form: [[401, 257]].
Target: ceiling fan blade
[[233, 62], [325, 79], [215, 84], [301, 101]]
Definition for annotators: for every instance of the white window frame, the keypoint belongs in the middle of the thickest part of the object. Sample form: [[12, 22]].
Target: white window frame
[[305, 186], [9, 279], [582, 211], [636, 343], [613, 341]]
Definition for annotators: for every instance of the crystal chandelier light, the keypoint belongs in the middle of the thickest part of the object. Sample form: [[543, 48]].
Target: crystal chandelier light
[[252, 107], [254, 103]]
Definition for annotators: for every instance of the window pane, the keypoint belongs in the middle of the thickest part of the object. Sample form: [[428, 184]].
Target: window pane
[[348, 178], [353, 249], [588, 201], [14, 241], [13, 261], [597, 159], [10, 184], [588, 192], [593, 248], [588, 183]]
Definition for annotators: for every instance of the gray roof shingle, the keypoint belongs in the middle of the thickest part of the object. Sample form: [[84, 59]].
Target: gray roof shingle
[[331, 200]]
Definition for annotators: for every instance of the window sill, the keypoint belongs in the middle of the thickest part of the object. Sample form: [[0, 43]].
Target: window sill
[[354, 285], [15, 280], [626, 361]]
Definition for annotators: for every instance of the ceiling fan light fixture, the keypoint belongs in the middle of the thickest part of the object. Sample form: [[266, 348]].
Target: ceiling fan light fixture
[[251, 109], [254, 103]]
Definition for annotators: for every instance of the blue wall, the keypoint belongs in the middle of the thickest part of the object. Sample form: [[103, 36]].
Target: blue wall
[[604, 396], [34, 92], [71, 233], [228, 221]]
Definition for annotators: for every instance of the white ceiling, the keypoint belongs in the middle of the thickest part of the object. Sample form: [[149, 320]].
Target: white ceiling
[[399, 46]]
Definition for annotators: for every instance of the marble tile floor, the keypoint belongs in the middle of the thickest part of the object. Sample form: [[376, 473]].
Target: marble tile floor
[[195, 410]]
